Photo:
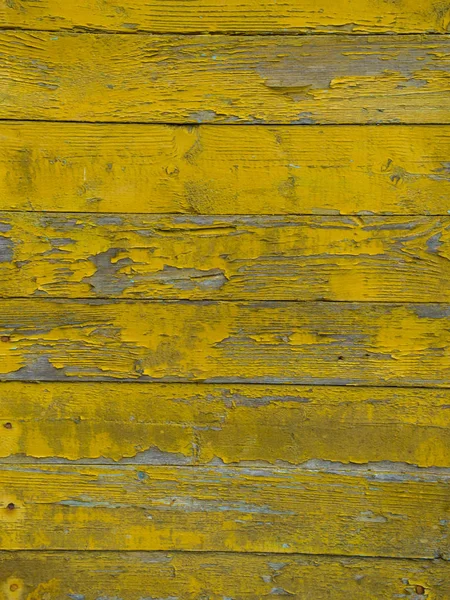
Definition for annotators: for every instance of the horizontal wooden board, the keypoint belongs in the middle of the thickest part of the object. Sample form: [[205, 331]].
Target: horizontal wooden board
[[266, 342], [220, 258], [393, 514], [233, 16], [132, 575], [198, 424], [207, 169], [225, 79]]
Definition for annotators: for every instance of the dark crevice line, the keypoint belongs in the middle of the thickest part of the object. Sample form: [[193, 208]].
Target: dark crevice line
[[80, 29], [224, 123], [186, 124], [193, 215], [159, 300], [300, 555], [252, 301], [226, 383], [32, 382]]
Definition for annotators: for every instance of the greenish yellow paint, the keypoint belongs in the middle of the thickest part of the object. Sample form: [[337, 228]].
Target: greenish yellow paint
[[55, 575], [387, 513], [200, 423]]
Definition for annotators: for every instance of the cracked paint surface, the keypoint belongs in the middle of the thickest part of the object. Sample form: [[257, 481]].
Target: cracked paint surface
[[214, 509], [234, 16], [224, 300], [220, 258], [237, 79], [243, 424], [254, 342]]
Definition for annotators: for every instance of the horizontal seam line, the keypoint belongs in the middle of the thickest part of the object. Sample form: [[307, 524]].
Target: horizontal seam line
[[225, 124], [227, 552], [119, 382], [151, 299], [299, 32], [200, 301], [8, 120], [234, 383], [225, 215]]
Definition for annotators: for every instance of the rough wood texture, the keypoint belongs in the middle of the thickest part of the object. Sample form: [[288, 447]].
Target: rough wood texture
[[198, 79], [220, 258], [225, 170], [266, 16], [134, 575], [390, 513], [266, 342], [196, 424]]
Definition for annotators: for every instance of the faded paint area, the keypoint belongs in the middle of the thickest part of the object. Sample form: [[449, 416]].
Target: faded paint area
[[201, 424], [295, 258], [233, 16], [224, 170], [266, 342], [225, 509], [237, 79], [53, 576]]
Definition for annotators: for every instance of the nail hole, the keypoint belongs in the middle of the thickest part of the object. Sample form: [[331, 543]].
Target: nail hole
[[11, 506], [420, 590], [340, 358], [7, 426], [5, 338]]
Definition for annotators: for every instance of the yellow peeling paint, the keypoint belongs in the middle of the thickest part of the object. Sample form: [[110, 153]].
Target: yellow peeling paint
[[332, 343], [225, 79], [56, 575], [224, 299], [222, 258], [243, 16], [197, 424], [225, 509]]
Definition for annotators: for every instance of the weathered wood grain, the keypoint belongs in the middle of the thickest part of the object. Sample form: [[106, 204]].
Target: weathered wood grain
[[266, 342], [132, 575], [266, 16], [219, 258], [226, 79], [225, 170], [196, 424], [392, 514]]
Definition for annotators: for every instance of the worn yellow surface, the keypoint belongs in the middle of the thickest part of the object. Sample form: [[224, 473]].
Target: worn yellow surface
[[224, 299], [211, 169], [179, 257], [266, 342], [61, 575], [389, 513], [226, 79], [265, 16], [201, 423]]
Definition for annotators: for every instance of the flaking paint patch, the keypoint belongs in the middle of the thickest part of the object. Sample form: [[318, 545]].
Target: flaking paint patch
[[217, 425], [256, 81]]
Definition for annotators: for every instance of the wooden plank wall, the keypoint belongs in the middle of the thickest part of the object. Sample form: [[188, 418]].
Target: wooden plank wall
[[224, 300]]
